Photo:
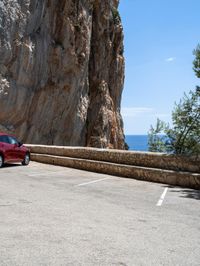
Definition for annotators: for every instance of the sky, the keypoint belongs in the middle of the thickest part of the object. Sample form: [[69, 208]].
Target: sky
[[159, 39]]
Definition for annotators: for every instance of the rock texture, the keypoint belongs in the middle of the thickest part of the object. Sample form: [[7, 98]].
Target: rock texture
[[62, 71]]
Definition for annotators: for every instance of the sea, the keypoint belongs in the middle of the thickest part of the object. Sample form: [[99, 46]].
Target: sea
[[137, 142]]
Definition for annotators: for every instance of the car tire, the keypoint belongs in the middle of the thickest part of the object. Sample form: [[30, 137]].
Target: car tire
[[26, 159], [1, 161]]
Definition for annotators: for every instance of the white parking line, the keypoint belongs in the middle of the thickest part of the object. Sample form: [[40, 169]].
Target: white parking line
[[91, 182], [160, 202]]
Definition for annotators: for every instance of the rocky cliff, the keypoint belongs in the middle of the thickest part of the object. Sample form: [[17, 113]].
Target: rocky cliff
[[62, 71]]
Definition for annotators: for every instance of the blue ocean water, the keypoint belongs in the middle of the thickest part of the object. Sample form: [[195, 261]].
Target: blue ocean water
[[137, 142]]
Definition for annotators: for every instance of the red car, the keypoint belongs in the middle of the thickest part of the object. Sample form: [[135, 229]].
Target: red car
[[12, 151]]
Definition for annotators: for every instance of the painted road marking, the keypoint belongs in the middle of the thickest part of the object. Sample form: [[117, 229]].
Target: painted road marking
[[160, 202], [91, 182]]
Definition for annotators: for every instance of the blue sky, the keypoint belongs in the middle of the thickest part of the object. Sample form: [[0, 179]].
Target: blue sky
[[159, 38]]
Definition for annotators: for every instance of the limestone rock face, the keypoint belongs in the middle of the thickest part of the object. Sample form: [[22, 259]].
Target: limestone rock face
[[62, 72]]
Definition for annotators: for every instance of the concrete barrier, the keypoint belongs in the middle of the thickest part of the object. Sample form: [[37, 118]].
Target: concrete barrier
[[145, 159], [155, 167], [175, 178]]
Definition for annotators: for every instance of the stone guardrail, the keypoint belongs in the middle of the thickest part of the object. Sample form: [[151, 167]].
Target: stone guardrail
[[155, 167], [146, 159]]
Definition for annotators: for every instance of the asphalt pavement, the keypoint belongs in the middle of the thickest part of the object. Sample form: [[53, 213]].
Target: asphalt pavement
[[52, 215]]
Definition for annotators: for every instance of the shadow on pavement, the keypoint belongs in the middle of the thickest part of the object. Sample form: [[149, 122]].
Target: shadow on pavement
[[10, 165], [185, 192], [191, 194]]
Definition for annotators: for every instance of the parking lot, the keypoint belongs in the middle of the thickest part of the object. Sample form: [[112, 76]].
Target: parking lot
[[51, 215]]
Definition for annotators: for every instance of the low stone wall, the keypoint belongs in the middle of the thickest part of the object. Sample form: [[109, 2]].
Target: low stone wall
[[144, 159], [155, 167], [175, 178]]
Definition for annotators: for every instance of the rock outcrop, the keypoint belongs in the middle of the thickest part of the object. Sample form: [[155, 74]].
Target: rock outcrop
[[62, 72]]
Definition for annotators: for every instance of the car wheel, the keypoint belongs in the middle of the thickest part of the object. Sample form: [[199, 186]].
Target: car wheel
[[1, 161], [26, 159]]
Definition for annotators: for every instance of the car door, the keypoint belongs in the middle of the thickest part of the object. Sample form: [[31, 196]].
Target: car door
[[17, 154], [6, 148]]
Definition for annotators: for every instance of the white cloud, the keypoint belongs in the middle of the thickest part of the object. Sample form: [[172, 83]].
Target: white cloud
[[170, 59], [135, 111]]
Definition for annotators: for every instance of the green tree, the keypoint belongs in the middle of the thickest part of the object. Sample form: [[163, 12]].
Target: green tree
[[184, 136], [196, 62], [157, 137]]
